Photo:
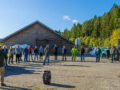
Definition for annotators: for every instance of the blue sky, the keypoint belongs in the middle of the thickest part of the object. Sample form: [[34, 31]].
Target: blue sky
[[56, 14]]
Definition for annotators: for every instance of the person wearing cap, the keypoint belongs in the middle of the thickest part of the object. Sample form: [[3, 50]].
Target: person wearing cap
[[2, 58]]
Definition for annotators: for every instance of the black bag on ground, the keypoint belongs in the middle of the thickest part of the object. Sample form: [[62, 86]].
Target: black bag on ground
[[47, 77]]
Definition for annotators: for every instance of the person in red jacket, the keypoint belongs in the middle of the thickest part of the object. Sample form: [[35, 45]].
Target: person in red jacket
[[30, 51]]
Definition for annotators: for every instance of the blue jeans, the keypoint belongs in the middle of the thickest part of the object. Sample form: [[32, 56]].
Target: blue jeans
[[46, 58], [36, 56], [30, 55], [97, 58], [82, 57], [113, 57], [25, 57]]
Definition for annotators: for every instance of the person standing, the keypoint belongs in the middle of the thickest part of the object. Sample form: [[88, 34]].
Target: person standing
[[5, 50], [113, 52], [18, 54], [2, 57], [11, 54], [30, 52], [26, 54], [82, 54], [47, 54], [108, 53], [74, 52], [41, 51], [117, 53], [36, 51], [64, 52], [21, 54], [97, 52], [56, 51]]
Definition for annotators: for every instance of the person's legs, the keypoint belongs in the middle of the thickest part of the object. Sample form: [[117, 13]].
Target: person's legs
[[37, 56], [6, 64], [56, 56], [81, 57], [19, 58], [96, 58], [112, 57], [65, 57], [62, 57], [41, 55], [99, 58], [9, 60], [31, 56], [107, 55], [27, 57], [12, 59], [24, 58], [16, 58], [2, 74], [45, 59], [48, 58], [72, 58]]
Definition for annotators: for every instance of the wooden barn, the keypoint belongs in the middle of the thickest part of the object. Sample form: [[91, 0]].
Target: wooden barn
[[37, 34]]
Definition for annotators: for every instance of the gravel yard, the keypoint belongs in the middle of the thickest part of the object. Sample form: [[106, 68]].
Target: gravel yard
[[67, 75]]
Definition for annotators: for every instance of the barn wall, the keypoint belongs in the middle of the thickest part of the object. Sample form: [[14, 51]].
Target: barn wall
[[30, 35]]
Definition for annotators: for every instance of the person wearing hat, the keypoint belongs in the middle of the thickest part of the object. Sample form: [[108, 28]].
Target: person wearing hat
[[2, 58]]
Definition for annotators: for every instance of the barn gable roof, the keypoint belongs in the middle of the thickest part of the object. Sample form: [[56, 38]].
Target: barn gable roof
[[31, 25]]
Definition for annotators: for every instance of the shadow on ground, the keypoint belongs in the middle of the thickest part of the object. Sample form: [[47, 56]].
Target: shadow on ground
[[76, 65], [13, 88], [61, 85], [15, 70], [23, 69]]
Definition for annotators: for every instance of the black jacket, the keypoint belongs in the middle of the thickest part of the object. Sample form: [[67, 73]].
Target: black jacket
[[2, 57], [82, 51]]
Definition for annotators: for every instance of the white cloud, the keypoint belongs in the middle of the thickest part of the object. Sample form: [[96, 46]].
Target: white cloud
[[75, 21], [66, 17]]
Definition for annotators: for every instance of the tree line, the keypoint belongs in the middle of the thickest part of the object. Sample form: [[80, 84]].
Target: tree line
[[96, 31]]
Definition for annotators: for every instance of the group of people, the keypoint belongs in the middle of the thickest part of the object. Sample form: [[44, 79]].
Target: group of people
[[75, 51], [113, 53], [18, 52], [31, 54]]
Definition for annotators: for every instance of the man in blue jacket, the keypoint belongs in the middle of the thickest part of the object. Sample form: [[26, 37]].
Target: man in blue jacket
[[97, 52]]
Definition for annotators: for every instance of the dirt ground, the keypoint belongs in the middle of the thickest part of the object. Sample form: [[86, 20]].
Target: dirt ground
[[67, 75]]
